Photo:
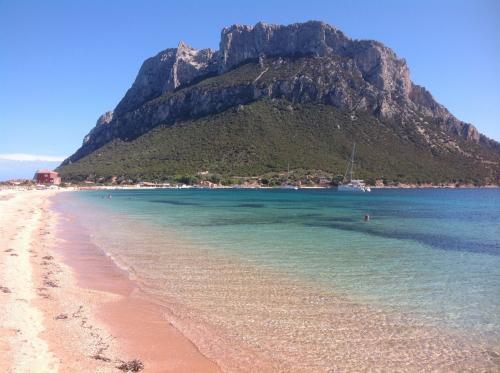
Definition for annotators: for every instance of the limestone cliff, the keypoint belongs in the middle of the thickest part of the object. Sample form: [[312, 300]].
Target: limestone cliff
[[303, 62]]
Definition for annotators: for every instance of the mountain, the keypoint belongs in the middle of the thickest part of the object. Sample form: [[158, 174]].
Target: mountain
[[274, 95]]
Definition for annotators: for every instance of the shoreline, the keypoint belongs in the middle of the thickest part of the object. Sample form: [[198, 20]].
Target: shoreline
[[16, 185], [400, 186], [193, 285], [136, 322], [80, 320], [196, 187], [86, 314]]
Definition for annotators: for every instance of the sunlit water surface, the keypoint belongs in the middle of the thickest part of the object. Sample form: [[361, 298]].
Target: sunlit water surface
[[300, 280]]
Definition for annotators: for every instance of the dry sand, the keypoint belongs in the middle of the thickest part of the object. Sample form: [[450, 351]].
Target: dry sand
[[64, 309]]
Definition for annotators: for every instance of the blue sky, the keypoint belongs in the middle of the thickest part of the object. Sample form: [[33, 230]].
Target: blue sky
[[63, 63]]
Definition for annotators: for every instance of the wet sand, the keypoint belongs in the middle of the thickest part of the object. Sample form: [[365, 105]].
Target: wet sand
[[64, 306], [137, 323]]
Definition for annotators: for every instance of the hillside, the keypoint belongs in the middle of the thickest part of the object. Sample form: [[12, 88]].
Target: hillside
[[266, 136], [277, 95]]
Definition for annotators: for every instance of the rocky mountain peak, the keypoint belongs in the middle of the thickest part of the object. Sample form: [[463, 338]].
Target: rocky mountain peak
[[333, 69], [149, 83], [177, 67], [239, 42], [189, 63], [104, 119]]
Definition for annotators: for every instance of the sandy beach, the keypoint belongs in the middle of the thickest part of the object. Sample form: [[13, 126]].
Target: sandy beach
[[62, 309], [67, 307]]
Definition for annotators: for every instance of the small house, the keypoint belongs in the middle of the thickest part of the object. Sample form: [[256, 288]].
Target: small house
[[47, 177]]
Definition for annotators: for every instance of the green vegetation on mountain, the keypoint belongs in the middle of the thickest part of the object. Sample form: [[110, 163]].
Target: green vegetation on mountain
[[276, 97], [265, 137]]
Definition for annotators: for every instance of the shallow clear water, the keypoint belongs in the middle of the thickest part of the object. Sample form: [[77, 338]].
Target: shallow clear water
[[430, 255]]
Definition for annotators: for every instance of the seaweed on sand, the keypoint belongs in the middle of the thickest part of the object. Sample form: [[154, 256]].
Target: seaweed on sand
[[131, 366]]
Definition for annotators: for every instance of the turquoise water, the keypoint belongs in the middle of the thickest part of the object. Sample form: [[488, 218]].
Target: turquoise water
[[433, 255]]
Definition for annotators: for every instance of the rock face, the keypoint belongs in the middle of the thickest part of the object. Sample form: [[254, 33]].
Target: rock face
[[152, 77], [189, 64], [239, 43], [104, 119], [165, 72], [303, 62]]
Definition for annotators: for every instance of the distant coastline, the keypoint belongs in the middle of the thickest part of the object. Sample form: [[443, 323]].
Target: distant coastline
[[29, 185]]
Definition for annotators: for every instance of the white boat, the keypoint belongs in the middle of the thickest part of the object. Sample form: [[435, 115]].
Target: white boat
[[354, 186], [288, 185], [349, 184]]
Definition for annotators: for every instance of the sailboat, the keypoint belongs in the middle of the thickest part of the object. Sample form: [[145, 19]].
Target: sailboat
[[288, 185], [350, 184]]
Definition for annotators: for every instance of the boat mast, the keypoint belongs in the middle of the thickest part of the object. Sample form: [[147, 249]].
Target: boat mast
[[350, 165], [352, 161]]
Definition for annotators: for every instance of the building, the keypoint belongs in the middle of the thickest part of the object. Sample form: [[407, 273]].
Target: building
[[47, 177]]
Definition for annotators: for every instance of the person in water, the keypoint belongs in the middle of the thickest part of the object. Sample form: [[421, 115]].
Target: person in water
[[367, 217]]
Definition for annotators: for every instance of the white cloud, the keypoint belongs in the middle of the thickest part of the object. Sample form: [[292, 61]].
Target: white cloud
[[30, 157]]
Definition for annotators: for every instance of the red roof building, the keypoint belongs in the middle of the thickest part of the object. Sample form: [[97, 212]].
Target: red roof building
[[47, 177]]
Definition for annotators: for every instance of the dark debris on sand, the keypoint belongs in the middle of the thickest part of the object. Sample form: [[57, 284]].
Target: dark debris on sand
[[5, 289], [51, 284], [131, 366], [102, 358], [493, 354], [61, 316]]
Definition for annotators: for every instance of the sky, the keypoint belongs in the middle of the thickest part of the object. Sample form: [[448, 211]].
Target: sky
[[64, 63]]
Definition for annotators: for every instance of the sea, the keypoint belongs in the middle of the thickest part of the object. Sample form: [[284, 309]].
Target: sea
[[298, 280]]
